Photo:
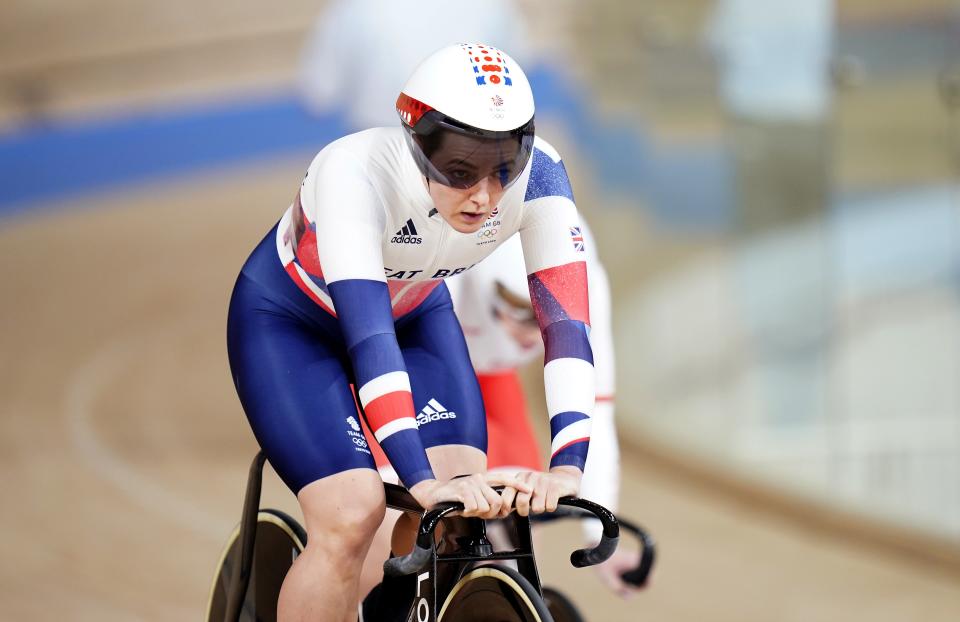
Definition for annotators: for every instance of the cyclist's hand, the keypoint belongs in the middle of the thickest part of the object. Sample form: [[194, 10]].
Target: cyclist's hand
[[473, 491], [610, 571], [547, 488]]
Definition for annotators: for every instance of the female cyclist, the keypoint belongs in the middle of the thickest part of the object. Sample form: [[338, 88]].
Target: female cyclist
[[346, 292]]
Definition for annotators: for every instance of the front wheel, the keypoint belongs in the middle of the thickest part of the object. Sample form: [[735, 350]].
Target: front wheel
[[561, 608], [494, 594], [279, 540]]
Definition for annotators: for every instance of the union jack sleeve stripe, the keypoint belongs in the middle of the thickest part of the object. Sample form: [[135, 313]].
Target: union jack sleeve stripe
[[567, 339], [569, 386], [382, 385], [548, 176], [560, 293], [388, 404], [560, 421], [366, 322], [391, 428], [575, 432], [569, 445]]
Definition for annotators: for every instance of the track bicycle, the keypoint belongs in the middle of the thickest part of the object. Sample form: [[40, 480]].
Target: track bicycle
[[459, 577]]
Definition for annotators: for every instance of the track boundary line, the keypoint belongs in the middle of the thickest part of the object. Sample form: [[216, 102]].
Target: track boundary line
[[83, 386]]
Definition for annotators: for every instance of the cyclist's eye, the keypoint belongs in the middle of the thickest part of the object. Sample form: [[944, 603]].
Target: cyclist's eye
[[461, 177], [501, 173]]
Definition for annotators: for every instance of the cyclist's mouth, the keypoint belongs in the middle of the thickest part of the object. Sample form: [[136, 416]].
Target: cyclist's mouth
[[473, 217]]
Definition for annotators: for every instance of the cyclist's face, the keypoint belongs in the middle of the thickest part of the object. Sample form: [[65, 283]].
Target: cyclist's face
[[466, 209], [459, 158]]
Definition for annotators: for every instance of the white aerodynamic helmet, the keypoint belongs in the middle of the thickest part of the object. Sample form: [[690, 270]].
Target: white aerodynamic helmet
[[468, 112]]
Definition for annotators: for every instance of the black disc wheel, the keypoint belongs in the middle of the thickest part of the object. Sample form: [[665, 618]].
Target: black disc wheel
[[280, 539], [561, 608], [494, 594]]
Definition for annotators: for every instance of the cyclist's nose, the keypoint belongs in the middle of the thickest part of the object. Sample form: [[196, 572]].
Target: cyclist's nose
[[482, 191]]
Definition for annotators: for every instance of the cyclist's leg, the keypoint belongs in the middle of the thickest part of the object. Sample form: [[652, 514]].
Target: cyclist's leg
[[325, 577], [372, 572], [291, 379]]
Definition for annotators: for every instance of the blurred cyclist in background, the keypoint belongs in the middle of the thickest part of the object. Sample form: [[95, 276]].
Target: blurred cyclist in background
[[347, 291], [493, 305], [360, 52]]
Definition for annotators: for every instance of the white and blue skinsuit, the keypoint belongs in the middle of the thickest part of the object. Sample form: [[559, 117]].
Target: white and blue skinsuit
[[341, 293]]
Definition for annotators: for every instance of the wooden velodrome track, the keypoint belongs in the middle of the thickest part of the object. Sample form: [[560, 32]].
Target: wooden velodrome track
[[124, 450]]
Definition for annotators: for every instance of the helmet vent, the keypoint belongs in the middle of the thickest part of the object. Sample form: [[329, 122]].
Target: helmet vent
[[410, 109]]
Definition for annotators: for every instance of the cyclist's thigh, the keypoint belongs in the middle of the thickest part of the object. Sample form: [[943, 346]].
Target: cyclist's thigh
[[292, 381], [511, 441], [445, 390]]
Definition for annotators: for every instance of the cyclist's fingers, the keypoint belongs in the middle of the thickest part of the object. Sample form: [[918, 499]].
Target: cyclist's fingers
[[538, 503], [488, 495], [505, 479], [482, 505], [494, 500], [507, 496], [469, 504], [610, 573], [553, 498], [522, 503]]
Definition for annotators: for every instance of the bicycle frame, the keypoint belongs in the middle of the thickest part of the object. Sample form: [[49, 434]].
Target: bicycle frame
[[240, 580], [425, 555], [432, 584]]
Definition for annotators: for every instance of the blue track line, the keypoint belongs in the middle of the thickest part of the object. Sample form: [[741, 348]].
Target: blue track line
[[60, 159]]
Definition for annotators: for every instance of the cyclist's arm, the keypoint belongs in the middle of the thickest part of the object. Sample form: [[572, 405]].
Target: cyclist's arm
[[553, 251], [601, 477], [350, 222]]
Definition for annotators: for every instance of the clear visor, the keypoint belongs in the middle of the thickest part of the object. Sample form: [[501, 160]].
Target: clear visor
[[460, 157]]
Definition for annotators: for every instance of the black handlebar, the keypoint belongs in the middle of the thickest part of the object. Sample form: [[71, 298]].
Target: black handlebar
[[417, 558], [420, 555], [648, 553], [608, 540], [648, 550]]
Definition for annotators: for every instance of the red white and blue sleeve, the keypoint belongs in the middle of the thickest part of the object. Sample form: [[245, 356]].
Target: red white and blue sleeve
[[601, 477], [350, 222], [553, 249]]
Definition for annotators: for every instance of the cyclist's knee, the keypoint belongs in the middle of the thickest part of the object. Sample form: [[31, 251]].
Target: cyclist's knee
[[343, 510]]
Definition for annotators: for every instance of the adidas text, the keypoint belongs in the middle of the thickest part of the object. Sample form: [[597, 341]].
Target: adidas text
[[405, 239], [434, 411], [423, 418], [407, 234]]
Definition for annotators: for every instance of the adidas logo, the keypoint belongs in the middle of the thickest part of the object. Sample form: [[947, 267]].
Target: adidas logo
[[434, 411], [407, 235]]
